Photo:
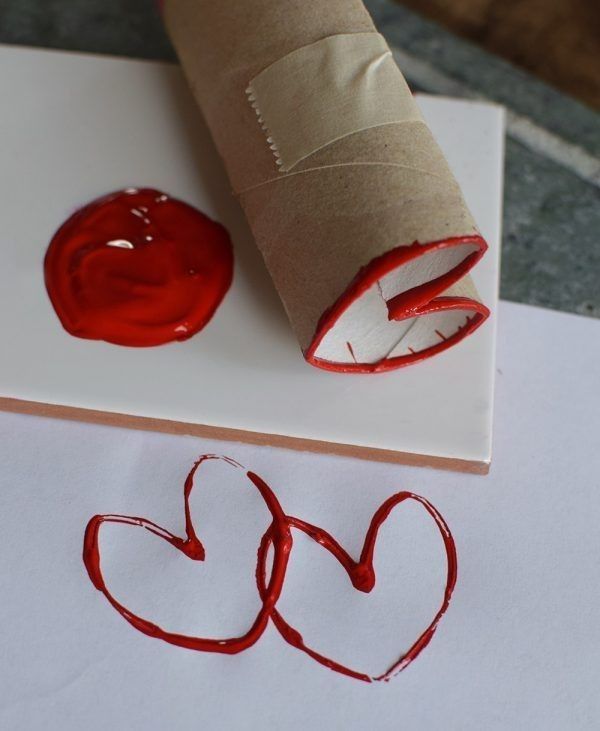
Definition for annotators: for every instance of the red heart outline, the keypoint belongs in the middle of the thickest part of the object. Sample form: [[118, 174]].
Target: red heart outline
[[362, 576], [278, 535], [191, 547]]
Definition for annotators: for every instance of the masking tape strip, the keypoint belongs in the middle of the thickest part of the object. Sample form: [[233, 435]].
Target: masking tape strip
[[326, 91]]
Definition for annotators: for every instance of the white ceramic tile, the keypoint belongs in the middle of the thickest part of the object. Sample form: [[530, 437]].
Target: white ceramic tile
[[74, 127]]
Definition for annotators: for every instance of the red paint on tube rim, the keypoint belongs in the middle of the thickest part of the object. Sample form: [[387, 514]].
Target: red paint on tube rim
[[425, 299]]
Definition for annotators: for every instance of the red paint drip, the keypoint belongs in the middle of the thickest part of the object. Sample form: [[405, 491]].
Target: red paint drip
[[279, 536], [351, 351], [138, 268], [362, 576], [193, 548]]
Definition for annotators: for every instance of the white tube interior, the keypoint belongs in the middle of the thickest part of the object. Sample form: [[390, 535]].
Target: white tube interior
[[365, 334]]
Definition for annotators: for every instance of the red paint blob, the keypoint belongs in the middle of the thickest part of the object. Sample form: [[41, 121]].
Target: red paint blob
[[362, 576], [191, 547], [138, 268]]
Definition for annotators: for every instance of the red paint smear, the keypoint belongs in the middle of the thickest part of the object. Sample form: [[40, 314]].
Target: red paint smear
[[138, 268], [422, 300], [279, 536], [192, 547], [362, 576]]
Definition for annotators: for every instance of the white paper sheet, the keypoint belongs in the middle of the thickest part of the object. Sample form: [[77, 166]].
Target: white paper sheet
[[519, 647]]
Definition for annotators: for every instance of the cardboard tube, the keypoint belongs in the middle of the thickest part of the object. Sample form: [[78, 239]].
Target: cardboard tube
[[362, 227]]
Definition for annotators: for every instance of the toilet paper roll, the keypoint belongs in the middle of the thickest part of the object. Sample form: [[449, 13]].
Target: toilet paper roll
[[360, 221]]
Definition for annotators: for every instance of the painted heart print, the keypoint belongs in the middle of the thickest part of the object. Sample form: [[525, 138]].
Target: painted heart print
[[277, 541]]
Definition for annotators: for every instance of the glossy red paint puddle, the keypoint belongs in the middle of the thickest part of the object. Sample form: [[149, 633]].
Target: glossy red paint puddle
[[278, 536], [138, 268]]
